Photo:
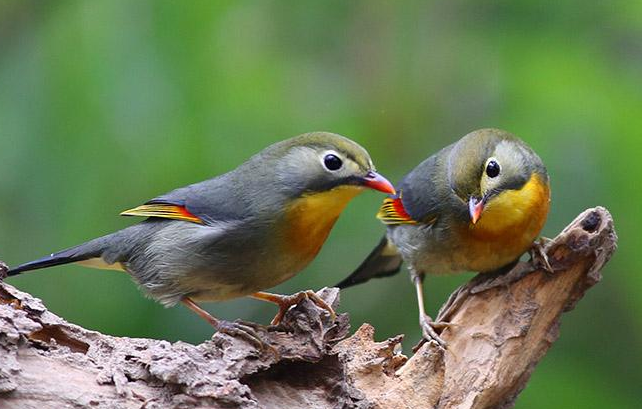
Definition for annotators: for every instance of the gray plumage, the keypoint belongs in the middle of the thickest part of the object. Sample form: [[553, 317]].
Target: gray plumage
[[240, 247], [435, 195]]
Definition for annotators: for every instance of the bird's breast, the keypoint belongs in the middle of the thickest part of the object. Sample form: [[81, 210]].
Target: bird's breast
[[508, 226], [308, 220], [514, 211]]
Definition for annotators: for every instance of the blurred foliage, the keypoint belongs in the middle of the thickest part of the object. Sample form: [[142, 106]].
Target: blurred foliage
[[104, 105]]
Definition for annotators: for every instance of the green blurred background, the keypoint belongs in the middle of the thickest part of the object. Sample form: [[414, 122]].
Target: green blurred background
[[104, 105]]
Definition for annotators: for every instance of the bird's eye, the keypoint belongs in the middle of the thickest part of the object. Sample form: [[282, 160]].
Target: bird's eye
[[332, 162], [492, 168]]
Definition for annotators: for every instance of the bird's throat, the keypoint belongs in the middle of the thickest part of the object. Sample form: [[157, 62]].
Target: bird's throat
[[522, 210], [310, 218]]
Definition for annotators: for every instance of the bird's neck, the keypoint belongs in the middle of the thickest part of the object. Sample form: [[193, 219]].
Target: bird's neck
[[310, 218], [524, 209]]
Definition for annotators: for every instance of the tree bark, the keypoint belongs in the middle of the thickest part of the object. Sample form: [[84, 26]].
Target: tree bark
[[500, 329]]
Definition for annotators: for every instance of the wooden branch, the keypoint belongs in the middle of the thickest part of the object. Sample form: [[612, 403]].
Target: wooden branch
[[501, 328]]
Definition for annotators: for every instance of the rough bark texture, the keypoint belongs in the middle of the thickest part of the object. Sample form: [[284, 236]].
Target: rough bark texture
[[501, 328]]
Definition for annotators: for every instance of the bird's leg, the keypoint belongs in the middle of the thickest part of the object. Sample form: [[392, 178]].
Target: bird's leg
[[236, 329], [428, 326], [538, 254], [286, 301]]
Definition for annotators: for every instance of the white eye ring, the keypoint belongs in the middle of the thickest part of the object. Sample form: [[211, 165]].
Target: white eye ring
[[492, 168], [331, 161]]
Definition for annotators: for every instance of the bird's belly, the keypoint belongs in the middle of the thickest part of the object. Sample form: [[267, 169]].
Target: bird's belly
[[218, 292], [206, 263], [471, 255], [217, 284], [259, 268], [485, 256], [455, 251]]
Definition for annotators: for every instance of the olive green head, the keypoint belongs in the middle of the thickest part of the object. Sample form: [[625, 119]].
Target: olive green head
[[487, 162], [322, 161]]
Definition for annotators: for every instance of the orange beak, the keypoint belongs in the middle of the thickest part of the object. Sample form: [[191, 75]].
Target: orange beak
[[375, 181], [475, 208]]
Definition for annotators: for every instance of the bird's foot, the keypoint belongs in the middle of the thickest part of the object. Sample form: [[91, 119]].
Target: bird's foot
[[431, 330], [286, 301], [539, 259], [244, 330], [241, 329]]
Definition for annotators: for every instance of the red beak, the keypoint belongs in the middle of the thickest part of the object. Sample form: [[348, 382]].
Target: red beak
[[475, 208], [375, 181]]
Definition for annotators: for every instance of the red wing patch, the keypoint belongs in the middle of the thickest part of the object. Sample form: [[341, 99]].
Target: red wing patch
[[167, 211], [393, 212]]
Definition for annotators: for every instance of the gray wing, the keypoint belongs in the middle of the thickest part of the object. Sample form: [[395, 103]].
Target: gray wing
[[424, 190], [221, 199], [423, 199]]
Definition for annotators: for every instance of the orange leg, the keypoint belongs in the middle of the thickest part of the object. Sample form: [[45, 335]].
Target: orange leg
[[286, 301], [215, 322]]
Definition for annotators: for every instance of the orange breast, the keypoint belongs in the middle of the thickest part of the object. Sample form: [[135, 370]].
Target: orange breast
[[308, 221], [509, 224]]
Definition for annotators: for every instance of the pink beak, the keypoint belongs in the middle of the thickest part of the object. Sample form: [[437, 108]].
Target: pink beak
[[475, 208]]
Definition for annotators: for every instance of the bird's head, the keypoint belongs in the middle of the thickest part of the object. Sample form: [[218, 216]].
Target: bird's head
[[320, 162], [497, 176]]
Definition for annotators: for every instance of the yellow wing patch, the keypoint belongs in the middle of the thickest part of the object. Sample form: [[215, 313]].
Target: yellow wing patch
[[99, 263], [393, 212], [162, 210]]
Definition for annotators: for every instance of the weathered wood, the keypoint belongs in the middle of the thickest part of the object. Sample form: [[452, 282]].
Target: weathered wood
[[501, 328]]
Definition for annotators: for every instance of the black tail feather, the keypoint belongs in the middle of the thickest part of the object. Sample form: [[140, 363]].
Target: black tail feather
[[44, 262], [82, 252], [383, 261]]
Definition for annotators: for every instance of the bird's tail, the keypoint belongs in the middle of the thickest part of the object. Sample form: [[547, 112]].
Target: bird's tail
[[385, 260], [83, 252]]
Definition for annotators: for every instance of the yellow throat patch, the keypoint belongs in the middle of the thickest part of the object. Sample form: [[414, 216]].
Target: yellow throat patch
[[309, 219], [515, 211]]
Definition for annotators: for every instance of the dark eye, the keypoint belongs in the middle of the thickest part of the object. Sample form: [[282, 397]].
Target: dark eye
[[332, 162], [492, 169]]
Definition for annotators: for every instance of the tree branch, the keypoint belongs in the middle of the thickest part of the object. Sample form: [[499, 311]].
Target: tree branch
[[500, 329]]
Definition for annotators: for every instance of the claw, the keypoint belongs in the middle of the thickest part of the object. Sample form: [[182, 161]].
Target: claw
[[241, 329], [246, 331], [320, 302], [539, 256], [249, 324], [429, 329], [289, 301], [285, 302]]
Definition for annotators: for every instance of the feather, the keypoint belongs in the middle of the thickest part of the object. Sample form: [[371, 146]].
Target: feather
[[163, 210], [393, 212]]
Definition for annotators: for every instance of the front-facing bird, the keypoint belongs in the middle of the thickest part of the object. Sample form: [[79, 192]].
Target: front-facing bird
[[239, 233], [476, 205]]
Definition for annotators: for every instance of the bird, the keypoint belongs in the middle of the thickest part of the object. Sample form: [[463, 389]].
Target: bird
[[239, 233], [475, 205]]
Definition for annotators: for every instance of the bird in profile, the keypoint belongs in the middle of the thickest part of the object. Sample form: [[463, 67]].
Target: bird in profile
[[239, 233], [476, 205]]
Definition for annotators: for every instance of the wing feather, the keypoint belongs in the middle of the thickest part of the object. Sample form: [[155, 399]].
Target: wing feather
[[393, 212], [163, 210]]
